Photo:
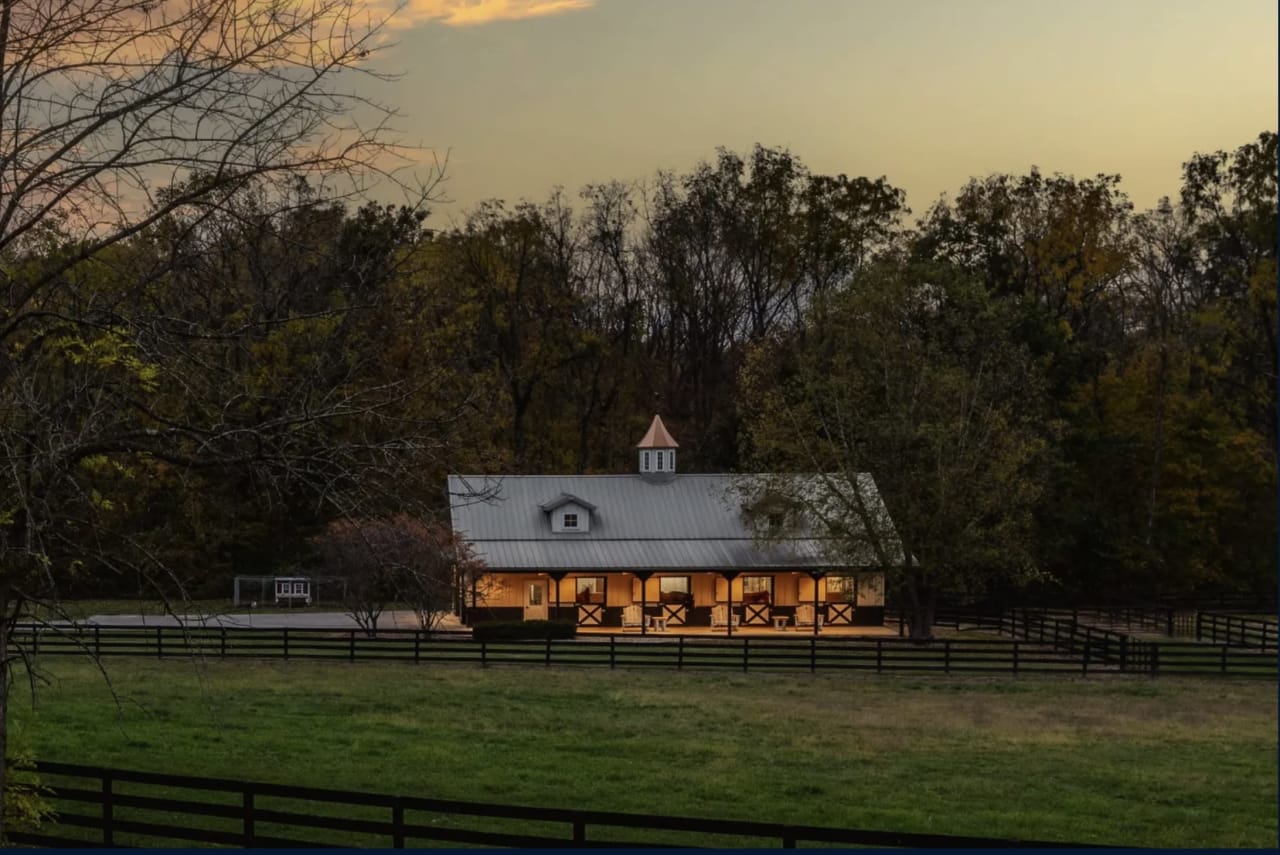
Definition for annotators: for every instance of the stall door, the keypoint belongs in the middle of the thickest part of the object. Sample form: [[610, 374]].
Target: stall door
[[535, 603]]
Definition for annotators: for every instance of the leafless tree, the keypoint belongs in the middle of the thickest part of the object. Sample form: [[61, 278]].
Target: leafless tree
[[118, 118], [396, 560]]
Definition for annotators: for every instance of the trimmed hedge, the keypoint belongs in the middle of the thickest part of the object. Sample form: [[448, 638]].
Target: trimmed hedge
[[506, 630]]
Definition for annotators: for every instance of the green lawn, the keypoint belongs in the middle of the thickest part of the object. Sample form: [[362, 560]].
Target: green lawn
[[1172, 762]]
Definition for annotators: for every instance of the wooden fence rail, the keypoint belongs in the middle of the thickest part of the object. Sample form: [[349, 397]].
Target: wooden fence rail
[[1039, 645], [101, 807], [1100, 647], [1236, 630]]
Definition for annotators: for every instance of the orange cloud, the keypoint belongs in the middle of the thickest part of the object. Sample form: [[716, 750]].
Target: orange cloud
[[469, 13]]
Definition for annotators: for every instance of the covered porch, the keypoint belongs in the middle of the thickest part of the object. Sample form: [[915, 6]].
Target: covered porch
[[705, 602]]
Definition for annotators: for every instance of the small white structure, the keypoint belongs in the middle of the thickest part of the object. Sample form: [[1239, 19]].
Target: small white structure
[[278, 589], [291, 589]]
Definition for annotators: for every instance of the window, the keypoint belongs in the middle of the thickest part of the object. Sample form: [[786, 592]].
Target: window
[[674, 589], [660, 461], [757, 589], [841, 589], [591, 589], [671, 461], [646, 462], [570, 520], [299, 587]]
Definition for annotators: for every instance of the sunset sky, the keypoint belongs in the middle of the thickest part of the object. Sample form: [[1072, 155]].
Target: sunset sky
[[528, 94]]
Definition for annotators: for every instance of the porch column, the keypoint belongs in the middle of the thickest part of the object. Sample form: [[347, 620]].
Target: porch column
[[817, 575], [556, 577], [643, 576], [730, 575], [475, 596]]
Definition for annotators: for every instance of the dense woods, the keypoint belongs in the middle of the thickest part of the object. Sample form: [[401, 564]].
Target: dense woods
[[1049, 388]]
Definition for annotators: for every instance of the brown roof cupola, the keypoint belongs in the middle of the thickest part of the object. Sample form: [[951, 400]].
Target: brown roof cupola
[[657, 450]]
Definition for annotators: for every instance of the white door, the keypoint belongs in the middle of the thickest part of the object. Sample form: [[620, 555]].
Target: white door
[[535, 603]]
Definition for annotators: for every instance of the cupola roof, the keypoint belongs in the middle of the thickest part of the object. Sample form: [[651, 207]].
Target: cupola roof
[[657, 436]]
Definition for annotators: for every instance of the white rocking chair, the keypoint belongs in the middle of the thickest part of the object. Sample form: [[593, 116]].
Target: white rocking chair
[[804, 615], [720, 616], [632, 616]]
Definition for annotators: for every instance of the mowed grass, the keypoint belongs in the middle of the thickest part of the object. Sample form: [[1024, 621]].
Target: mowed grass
[[1173, 762]]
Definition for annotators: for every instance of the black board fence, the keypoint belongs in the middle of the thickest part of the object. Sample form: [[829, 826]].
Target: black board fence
[[1237, 631], [1065, 634], [103, 807], [1039, 645]]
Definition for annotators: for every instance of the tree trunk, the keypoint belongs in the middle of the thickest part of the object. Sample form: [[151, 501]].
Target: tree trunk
[[923, 601], [6, 627]]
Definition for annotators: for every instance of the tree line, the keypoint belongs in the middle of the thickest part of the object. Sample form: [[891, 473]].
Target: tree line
[[1047, 387]]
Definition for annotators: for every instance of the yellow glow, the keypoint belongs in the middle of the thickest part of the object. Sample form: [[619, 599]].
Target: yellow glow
[[470, 13]]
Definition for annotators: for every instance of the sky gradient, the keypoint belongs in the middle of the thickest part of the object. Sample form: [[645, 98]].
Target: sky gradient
[[529, 94]]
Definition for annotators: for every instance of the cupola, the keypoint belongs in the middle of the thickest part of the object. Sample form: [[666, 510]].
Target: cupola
[[657, 450]]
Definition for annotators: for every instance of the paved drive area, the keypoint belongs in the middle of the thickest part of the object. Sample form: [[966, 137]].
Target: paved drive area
[[301, 620]]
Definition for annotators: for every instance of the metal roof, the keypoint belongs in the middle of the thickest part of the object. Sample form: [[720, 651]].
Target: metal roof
[[690, 522], [657, 436]]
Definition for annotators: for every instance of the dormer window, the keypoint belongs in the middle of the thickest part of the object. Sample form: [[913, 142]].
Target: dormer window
[[569, 514], [645, 467], [660, 456]]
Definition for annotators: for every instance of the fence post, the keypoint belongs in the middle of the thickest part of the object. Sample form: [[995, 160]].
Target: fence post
[[813, 655], [417, 646], [1169, 622], [222, 649], [248, 817], [612, 652], [284, 634], [547, 660], [108, 811], [1224, 659], [484, 653], [159, 642], [680, 653], [1155, 658], [397, 824], [351, 640], [946, 656], [97, 641], [1015, 657], [879, 656], [1199, 624], [579, 830], [745, 652], [1124, 653], [1085, 662]]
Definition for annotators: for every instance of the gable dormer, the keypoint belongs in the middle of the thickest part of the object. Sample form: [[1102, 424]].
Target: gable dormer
[[569, 514], [657, 451]]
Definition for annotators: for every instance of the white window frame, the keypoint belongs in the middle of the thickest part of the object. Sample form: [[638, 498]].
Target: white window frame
[[569, 521]]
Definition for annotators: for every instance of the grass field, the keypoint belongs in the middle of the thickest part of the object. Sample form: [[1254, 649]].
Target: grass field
[[1176, 762]]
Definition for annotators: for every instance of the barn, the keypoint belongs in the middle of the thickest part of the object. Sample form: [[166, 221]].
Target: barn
[[652, 550]]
